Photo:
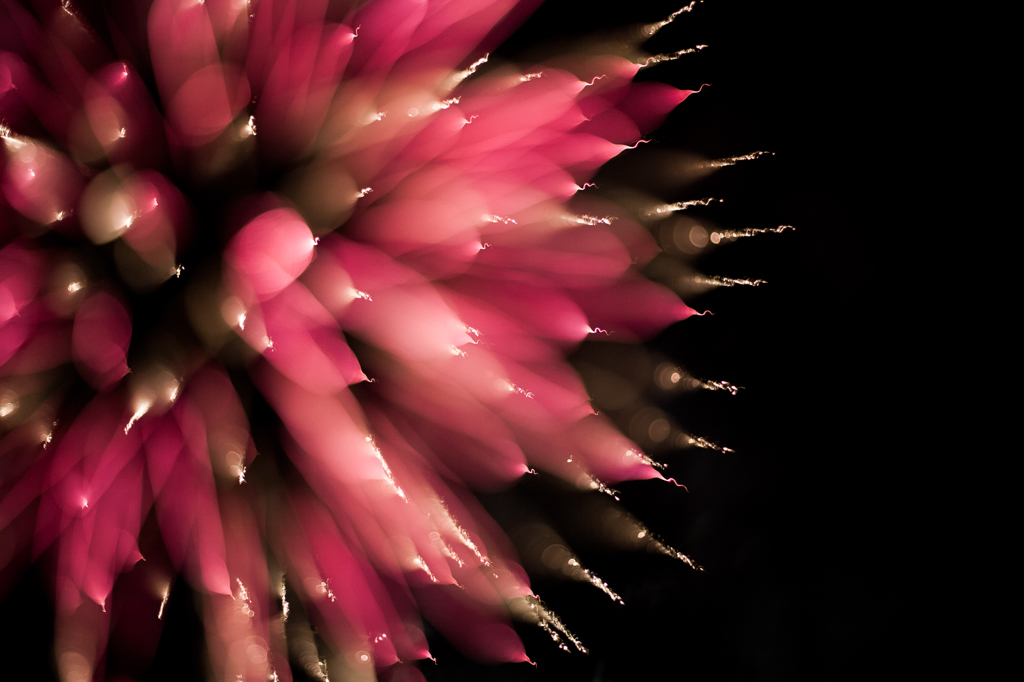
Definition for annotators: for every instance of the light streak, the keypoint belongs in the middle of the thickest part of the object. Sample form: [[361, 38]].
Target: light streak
[[729, 235], [670, 56], [665, 209], [651, 29], [163, 602], [142, 409]]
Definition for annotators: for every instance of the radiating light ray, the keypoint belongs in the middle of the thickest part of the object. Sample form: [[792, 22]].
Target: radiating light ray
[[445, 103], [388, 476], [488, 217], [684, 439], [460, 76], [728, 235], [668, 376], [449, 552], [163, 602], [646, 459], [585, 219], [325, 589], [8, 404], [356, 293], [587, 576], [733, 160], [716, 281], [666, 209], [531, 608], [282, 592], [650, 29], [453, 526], [598, 485], [670, 56], [732, 389], [244, 602], [676, 554], [12, 141], [143, 408], [513, 388], [422, 565]]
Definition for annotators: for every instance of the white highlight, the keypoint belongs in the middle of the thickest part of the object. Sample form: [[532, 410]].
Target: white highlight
[[670, 56], [589, 577], [513, 388], [596, 484], [491, 218], [8, 407], [586, 219], [665, 209], [549, 622], [420, 563], [325, 589], [163, 602], [388, 476], [645, 459], [686, 439], [356, 293], [717, 237], [460, 76], [243, 596], [281, 590], [651, 29], [733, 160], [717, 281], [142, 409]]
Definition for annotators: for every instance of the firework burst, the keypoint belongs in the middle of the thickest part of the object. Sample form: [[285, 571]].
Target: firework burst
[[348, 213]]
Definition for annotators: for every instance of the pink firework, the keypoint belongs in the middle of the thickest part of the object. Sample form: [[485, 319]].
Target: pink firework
[[340, 209]]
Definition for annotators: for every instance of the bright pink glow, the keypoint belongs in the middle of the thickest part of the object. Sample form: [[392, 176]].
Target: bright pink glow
[[268, 254], [458, 261], [100, 340]]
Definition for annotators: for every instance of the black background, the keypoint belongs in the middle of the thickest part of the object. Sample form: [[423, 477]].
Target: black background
[[800, 531]]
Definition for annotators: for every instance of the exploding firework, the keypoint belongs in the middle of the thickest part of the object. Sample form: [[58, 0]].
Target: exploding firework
[[341, 238]]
